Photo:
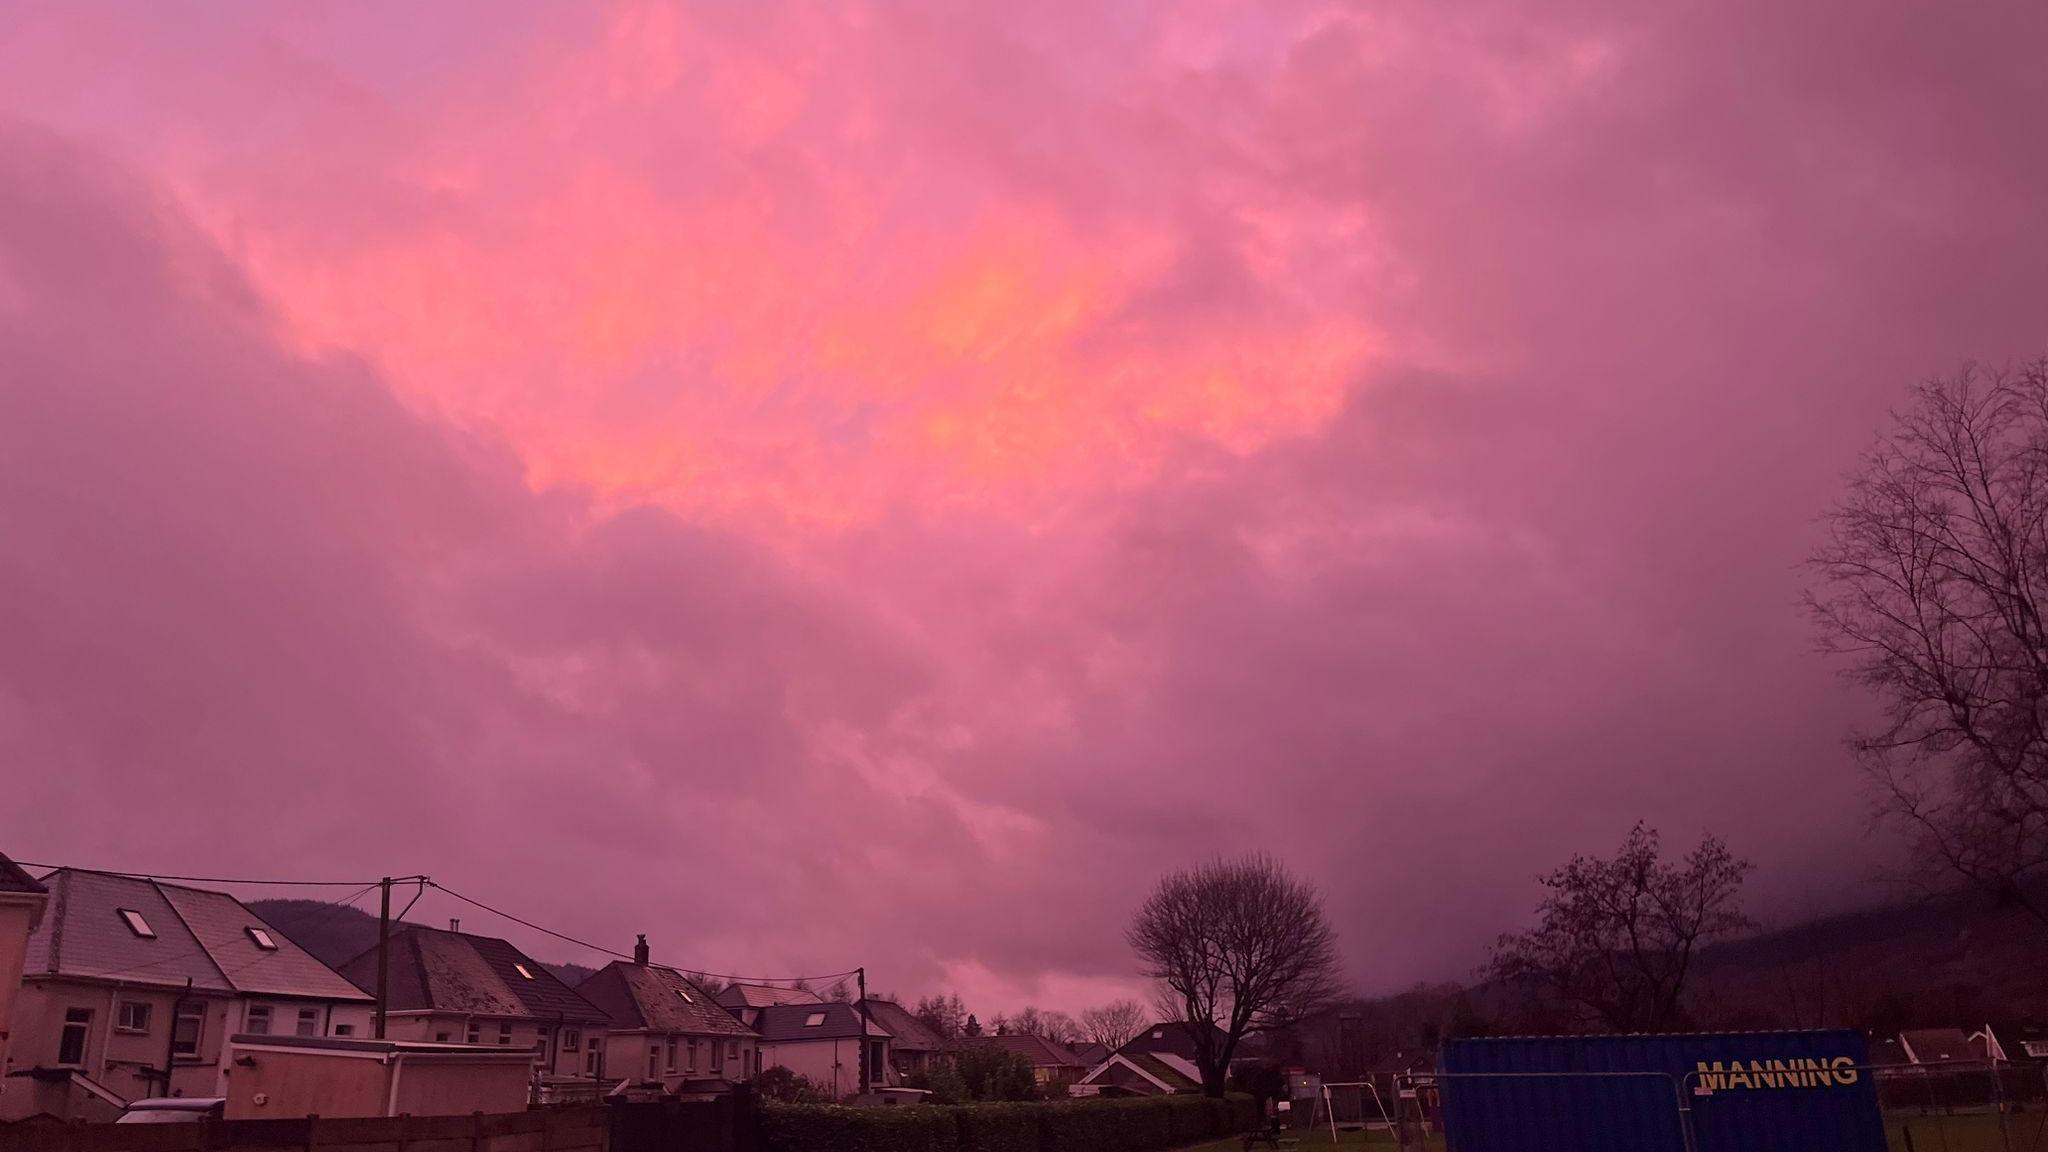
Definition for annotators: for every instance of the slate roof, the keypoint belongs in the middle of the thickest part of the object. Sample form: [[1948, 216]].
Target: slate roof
[[784, 1023], [440, 971], [1169, 1036], [765, 995], [200, 936], [911, 1034], [1933, 1045], [1165, 1068], [2016, 1039], [657, 998], [1091, 1053], [13, 879], [1041, 1052]]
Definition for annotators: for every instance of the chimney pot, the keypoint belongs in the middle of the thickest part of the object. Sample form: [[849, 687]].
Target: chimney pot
[[640, 950]]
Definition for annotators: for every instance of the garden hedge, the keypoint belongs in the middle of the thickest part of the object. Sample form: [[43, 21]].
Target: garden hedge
[[1138, 1124]]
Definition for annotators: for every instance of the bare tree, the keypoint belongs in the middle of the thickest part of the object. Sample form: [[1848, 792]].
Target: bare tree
[[1236, 946], [1055, 1026], [712, 985], [1617, 936], [1114, 1023], [840, 992], [1935, 578], [945, 1015]]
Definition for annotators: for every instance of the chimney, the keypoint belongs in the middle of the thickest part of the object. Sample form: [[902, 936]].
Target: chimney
[[640, 950], [454, 925]]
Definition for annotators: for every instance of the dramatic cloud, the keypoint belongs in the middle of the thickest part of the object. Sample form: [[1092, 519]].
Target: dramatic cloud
[[879, 483]]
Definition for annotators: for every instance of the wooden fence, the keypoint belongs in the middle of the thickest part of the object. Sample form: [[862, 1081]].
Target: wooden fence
[[539, 1130]]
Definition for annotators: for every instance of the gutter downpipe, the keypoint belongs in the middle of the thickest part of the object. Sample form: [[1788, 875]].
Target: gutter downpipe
[[171, 1035], [107, 1032], [391, 1098]]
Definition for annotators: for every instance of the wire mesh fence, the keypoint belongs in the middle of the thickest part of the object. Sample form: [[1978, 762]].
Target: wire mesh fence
[[1965, 1106]]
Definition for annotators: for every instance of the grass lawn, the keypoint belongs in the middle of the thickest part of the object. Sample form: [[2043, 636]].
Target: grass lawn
[[1973, 1132], [1319, 1140], [1965, 1133]]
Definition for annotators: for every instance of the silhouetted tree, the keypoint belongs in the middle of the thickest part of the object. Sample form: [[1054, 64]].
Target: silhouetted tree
[[1114, 1023], [992, 1073], [1935, 578], [1055, 1026], [945, 1015], [1235, 946], [1617, 936], [779, 1083], [972, 1027]]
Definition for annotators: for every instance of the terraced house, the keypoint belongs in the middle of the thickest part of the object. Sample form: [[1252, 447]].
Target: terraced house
[[457, 988], [665, 1028], [130, 988]]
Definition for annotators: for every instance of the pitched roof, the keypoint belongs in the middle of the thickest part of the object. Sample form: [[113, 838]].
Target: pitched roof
[[13, 879], [1171, 1036], [765, 995], [1929, 1045], [1041, 1052], [208, 938], [787, 1023], [1166, 1073], [1090, 1053], [911, 1034], [657, 998], [440, 971]]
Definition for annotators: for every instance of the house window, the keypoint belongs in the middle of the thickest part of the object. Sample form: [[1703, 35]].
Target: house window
[[521, 969], [136, 923], [684, 993], [344, 1029], [540, 1041], [186, 1028], [309, 1022], [476, 1033], [257, 1021], [2036, 1049], [77, 1026], [590, 1061], [134, 1017], [692, 1065], [814, 1020], [732, 1049], [504, 1033], [572, 1040], [671, 1054], [443, 1037], [717, 1056], [261, 938], [653, 1062]]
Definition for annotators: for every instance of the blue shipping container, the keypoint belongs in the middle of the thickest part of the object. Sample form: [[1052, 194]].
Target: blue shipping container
[[1733, 1092]]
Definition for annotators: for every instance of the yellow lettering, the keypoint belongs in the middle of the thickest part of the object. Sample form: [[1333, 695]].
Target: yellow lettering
[[1737, 1078], [1845, 1070], [1712, 1077]]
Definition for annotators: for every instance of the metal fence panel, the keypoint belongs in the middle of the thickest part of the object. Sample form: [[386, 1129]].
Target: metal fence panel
[[1720, 1092]]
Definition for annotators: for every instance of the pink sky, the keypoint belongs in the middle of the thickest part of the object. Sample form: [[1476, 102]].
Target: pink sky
[[877, 483]]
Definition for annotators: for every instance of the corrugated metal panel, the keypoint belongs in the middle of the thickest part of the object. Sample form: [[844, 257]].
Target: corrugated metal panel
[[1769, 1092]]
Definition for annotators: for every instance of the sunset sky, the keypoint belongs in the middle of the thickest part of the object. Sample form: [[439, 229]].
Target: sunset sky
[[879, 482]]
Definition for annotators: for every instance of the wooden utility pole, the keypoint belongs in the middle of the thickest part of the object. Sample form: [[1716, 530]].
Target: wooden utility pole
[[383, 955], [860, 976]]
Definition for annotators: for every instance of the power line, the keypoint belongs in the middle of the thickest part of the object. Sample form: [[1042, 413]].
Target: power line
[[621, 955], [363, 888], [214, 879]]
